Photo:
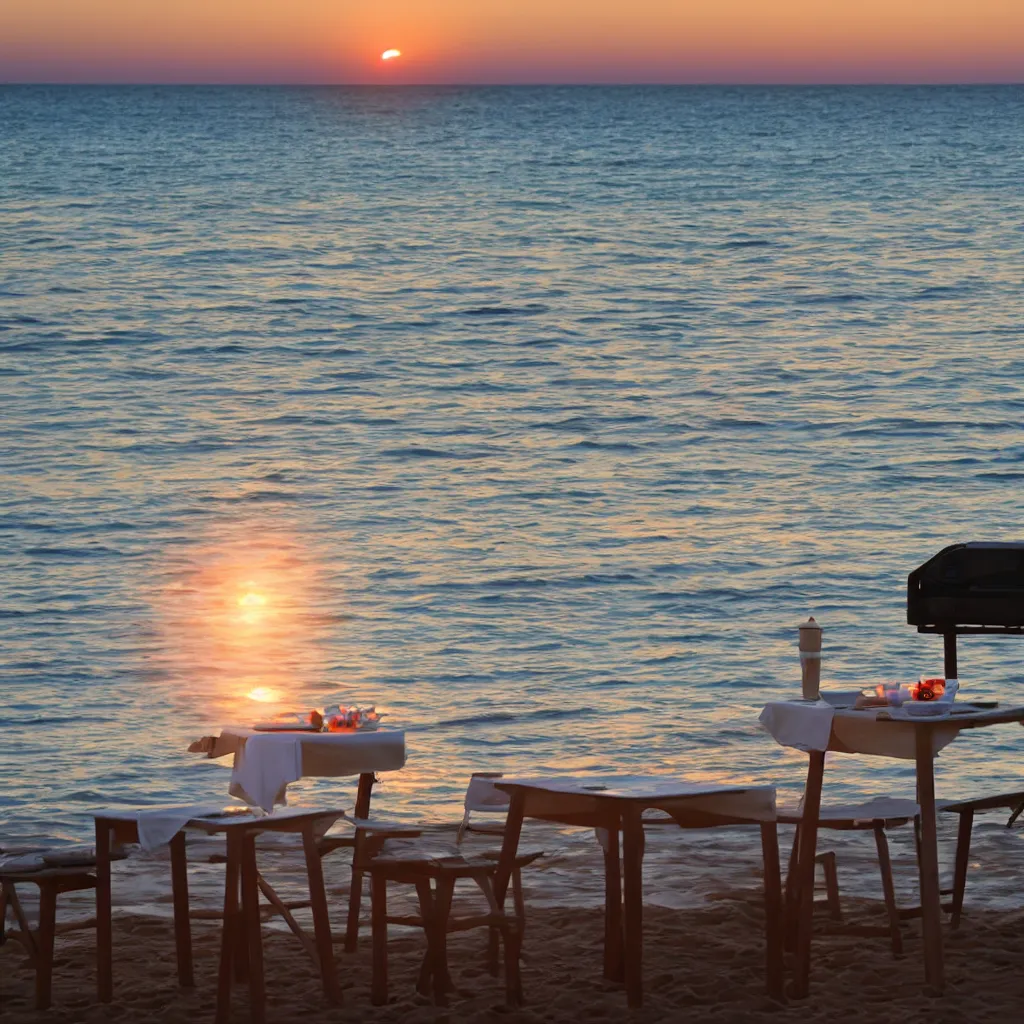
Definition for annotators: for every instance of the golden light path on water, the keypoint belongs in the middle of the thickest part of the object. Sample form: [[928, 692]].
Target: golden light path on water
[[243, 622]]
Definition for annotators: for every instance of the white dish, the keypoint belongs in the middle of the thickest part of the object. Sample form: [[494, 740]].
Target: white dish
[[927, 708]]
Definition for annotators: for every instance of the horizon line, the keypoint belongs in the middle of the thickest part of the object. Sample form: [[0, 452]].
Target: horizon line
[[883, 84]]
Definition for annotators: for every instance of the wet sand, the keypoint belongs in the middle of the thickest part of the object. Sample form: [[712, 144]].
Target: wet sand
[[701, 964]]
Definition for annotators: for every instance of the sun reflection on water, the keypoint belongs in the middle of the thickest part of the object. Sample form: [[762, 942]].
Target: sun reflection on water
[[243, 621]]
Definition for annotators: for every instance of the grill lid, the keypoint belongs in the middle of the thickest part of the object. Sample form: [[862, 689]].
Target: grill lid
[[969, 588]]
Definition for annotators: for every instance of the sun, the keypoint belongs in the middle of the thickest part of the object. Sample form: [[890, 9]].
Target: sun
[[390, 54]]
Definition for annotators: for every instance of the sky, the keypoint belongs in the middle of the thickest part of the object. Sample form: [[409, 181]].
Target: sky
[[512, 41]]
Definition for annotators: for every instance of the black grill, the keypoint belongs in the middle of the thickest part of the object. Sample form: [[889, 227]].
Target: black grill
[[968, 588]]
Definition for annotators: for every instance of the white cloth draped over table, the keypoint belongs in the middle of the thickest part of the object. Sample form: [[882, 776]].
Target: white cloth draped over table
[[882, 732], [266, 762], [157, 826]]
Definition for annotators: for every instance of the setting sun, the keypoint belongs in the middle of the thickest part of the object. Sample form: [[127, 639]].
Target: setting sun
[[390, 54]]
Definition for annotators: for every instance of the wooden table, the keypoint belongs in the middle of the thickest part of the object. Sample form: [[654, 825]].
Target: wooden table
[[880, 733], [241, 939], [617, 805], [323, 755]]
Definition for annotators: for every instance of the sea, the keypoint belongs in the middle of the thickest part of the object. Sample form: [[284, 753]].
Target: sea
[[537, 418]]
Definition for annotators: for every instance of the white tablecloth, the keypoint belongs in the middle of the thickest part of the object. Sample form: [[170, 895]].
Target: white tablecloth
[[883, 732], [266, 762], [159, 825]]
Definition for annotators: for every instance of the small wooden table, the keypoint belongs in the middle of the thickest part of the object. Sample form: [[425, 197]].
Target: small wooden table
[[617, 805], [880, 732], [323, 755], [241, 935], [260, 775]]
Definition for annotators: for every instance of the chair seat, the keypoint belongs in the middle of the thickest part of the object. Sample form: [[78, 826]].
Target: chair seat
[[891, 811], [375, 829], [982, 803], [433, 858], [35, 863]]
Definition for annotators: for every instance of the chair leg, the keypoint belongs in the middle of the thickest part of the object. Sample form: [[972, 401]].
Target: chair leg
[[792, 892], [379, 926], [426, 900], [44, 945], [828, 865], [28, 938], [442, 908], [963, 853], [355, 894], [518, 903], [511, 933], [885, 867]]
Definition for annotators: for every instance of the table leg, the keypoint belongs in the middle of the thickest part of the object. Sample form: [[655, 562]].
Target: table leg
[[230, 925], [379, 938], [252, 931], [773, 937], [104, 927], [182, 926], [509, 847], [613, 965], [44, 943], [363, 794], [633, 900], [321, 918], [426, 899], [963, 853], [805, 871], [931, 899]]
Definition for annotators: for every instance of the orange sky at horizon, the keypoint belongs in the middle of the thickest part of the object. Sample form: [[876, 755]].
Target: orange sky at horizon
[[513, 41]]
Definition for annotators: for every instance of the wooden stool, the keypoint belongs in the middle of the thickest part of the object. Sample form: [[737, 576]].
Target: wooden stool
[[38, 944], [875, 816], [363, 842], [1014, 802], [434, 877]]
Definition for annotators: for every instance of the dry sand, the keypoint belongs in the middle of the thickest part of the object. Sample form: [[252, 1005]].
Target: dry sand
[[702, 964]]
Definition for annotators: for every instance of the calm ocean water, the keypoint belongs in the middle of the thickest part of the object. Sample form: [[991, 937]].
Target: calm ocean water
[[538, 417]]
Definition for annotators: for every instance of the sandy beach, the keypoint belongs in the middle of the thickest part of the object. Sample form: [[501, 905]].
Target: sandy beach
[[701, 965], [703, 949]]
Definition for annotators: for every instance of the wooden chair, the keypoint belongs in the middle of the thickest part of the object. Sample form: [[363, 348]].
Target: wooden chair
[[364, 841], [434, 874], [51, 879], [1014, 802], [874, 816], [368, 836]]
